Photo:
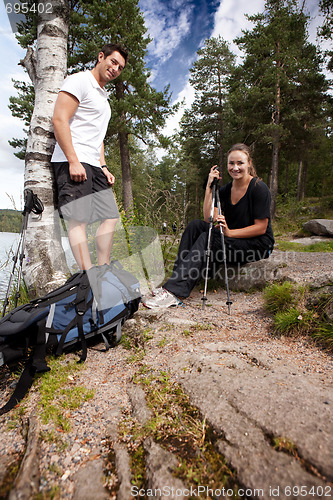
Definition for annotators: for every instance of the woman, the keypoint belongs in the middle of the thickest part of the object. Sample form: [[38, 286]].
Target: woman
[[245, 222]]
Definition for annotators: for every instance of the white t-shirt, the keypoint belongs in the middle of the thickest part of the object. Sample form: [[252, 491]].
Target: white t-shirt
[[90, 121]]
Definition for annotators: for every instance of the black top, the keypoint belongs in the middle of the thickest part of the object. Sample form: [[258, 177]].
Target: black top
[[255, 204]]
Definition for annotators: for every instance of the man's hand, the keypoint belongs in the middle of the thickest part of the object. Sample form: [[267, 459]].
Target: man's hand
[[77, 172], [110, 178]]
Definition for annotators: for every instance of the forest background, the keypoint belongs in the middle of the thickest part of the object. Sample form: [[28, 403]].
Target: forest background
[[277, 100]]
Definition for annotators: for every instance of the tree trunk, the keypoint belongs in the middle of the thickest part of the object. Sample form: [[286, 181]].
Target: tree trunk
[[299, 180], [274, 177], [220, 114], [276, 139], [126, 172], [286, 180], [45, 264], [124, 155], [304, 179]]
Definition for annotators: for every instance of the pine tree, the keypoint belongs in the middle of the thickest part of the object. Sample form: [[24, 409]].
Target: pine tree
[[276, 83], [137, 108], [326, 30], [206, 118]]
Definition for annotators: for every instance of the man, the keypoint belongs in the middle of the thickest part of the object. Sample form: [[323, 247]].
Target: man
[[80, 120]]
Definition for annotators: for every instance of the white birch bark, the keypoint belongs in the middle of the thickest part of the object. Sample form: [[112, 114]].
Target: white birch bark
[[45, 266]]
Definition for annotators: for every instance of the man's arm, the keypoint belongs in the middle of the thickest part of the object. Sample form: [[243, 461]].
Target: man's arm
[[65, 107], [108, 175]]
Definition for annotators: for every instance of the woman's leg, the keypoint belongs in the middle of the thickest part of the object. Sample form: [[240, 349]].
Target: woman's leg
[[190, 259], [240, 250]]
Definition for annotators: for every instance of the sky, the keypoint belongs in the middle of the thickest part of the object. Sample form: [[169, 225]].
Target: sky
[[178, 29]]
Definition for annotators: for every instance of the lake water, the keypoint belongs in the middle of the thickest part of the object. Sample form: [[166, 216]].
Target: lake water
[[8, 249]]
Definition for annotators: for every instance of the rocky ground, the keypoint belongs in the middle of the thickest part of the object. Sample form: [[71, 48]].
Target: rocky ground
[[267, 400]]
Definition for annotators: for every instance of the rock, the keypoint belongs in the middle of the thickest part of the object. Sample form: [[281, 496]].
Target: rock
[[159, 462], [121, 458], [26, 485], [255, 275], [297, 267], [123, 468], [310, 240], [159, 466], [89, 482], [138, 402], [319, 227], [255, 402]]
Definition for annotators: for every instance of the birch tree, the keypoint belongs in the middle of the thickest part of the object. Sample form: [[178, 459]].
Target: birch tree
[[46, 63]]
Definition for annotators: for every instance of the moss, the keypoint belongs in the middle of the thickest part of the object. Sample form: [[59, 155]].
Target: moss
[[178, 427], [10, 476], [58, 392]]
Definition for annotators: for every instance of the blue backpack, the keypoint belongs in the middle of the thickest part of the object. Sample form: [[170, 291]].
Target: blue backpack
[[91, 304]]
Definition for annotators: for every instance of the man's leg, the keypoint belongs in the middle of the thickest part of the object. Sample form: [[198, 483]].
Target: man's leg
[[104, 240], [78, 241]]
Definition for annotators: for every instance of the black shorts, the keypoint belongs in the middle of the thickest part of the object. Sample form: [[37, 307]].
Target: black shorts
[[88, 201]]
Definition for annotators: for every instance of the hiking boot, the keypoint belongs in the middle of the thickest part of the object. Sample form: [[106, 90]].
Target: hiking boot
[[161, 298]]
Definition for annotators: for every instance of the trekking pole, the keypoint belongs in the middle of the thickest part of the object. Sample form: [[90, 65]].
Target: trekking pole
[[15, 258], [32, 204], [209, 243], [229, 302]]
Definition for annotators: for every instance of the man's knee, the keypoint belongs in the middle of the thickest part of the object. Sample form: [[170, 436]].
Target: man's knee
[[109, 223]]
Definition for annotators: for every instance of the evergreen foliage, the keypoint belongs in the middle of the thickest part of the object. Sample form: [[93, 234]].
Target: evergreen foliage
[[326, 30], [10, 221], [137, 108], [280, 88], [276, 100]]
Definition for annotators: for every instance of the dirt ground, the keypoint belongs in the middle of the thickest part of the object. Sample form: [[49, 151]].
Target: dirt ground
[[160, 338]]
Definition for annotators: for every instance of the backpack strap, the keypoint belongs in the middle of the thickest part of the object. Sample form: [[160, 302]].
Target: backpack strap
[[35, 363], [22, 387], [39, 352], [81, 306]]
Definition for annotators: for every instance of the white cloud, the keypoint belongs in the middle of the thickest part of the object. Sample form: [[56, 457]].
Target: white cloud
[[186, 96], [11, 168], [230, 19], [168, 24]]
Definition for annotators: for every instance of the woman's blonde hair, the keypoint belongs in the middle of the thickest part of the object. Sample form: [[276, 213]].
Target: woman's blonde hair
[[245, 149]]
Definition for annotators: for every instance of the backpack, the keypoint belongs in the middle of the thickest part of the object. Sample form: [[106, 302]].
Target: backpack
[[91, 304]]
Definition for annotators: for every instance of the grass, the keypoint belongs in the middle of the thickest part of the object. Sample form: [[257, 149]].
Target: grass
[[297, 312], [178, 427], [291, 215], [22, 297], [59, 392], [280, 297], [284, 444], [320, 246]]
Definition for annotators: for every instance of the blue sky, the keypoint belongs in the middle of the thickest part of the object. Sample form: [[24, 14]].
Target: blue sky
[[178, 28]]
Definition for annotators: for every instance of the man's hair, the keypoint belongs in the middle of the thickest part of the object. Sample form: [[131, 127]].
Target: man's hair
[[109, 48]]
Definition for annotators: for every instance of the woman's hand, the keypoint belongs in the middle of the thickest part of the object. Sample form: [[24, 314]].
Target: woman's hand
[[220, 219], [213, 174]]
